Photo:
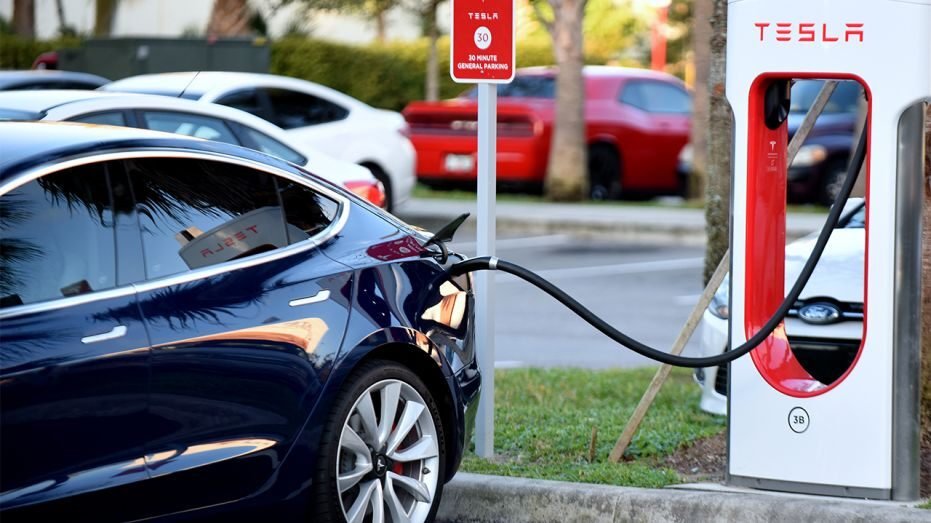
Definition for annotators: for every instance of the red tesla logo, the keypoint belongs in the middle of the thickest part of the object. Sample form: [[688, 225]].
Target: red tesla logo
[[810, 32]]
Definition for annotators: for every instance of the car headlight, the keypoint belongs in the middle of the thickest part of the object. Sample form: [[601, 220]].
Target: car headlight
[[809, 155], [720, 303]]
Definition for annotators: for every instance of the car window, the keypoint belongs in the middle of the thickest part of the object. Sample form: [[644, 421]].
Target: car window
[[269, 145], [529, 86], [56, 237], [656, 97], [844, 99], [857, 220], [189, 125], [108, 118], [199, 213], [293, 109], [246, 100], [306, 211]]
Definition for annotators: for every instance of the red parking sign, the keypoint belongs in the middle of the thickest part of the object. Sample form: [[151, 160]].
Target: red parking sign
[[482, 41]]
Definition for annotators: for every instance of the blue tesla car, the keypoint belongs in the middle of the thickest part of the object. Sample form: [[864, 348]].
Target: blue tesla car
[[192, 329]]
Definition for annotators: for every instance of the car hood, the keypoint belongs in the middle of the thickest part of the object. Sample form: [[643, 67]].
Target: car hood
[[839, 273]]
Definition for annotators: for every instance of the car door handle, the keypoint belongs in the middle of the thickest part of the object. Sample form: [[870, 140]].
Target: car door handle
[[316, 298], [116, 332]]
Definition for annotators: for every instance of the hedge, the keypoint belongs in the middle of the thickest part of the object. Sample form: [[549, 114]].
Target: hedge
[[387, 75]]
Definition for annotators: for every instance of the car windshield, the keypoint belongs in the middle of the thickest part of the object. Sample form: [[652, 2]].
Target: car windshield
[[843, 100], [527, 86], [18, 115]]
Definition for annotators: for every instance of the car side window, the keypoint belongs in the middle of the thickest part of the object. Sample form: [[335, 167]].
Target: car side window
[[198, 213], [246, 100], [189, 125], [307, 212], [656, 97], [108, 118], [269, 145], [57, 237], [293, 109]]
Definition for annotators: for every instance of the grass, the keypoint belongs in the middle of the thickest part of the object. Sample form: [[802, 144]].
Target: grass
[[422, 191], [544, 420], [926, 505]]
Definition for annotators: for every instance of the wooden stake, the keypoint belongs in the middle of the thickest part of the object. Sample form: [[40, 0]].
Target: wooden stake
[[660, 377]]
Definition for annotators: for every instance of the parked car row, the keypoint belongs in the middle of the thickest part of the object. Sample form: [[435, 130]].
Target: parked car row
[[314, 117]]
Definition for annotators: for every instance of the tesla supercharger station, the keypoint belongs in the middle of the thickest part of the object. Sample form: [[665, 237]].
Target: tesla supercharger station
[[857, 436]]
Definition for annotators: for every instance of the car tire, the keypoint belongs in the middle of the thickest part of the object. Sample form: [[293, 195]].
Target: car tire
[[366, 465], [604, 172], [834, 176], [382, 176]]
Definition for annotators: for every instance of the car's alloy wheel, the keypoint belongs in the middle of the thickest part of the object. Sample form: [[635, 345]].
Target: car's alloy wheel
[[388, 460]]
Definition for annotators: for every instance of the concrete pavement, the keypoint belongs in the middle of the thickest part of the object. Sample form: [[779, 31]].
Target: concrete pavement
[[475, 498]]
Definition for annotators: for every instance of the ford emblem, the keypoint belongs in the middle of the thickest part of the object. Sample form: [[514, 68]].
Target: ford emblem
[[819, 313]]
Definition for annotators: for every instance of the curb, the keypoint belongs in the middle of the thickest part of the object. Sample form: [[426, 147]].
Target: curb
[[475, 498]]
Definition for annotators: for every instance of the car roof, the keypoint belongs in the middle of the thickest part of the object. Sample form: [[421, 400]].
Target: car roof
[[196, 84], [11, 79], [43, 100], [25, 145]]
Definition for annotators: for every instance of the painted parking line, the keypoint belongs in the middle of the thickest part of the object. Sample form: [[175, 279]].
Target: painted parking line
[[612, 270]]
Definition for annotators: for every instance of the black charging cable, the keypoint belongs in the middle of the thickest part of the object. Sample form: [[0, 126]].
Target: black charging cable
[[490, 263]]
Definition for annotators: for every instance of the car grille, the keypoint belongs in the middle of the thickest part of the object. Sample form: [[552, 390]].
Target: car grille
[[720, 380], [826, 359]]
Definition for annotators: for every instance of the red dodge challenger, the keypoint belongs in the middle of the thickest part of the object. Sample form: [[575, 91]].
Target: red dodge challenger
[[637, 122]]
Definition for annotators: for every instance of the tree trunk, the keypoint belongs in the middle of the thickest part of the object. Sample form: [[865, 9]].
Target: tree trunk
[[104, 10], [381, 26], [926, 308], [60, 11], [229, 18], [24, 18], [567, 168], [718, 194], [432, 87], [701, 57]]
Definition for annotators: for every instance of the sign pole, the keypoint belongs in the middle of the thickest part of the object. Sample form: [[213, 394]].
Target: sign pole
[[484, 280], [482, 50]]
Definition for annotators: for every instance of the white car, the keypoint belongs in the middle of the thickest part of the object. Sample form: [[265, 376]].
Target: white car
[[198, 119], [826, 325], [312, 114]]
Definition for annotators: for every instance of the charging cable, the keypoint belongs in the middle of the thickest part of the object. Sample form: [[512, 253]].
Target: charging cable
[[491, 263]]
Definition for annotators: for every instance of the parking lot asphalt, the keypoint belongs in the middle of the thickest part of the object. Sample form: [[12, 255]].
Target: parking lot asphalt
[[482, 498]]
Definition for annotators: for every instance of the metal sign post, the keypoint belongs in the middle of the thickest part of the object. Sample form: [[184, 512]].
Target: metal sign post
[[482, 51]]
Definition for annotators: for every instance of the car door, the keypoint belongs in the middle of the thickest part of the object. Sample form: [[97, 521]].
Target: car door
[[660, 112], [74, 357], [245, 316]]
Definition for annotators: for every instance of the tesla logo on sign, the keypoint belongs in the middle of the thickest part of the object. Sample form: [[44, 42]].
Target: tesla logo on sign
[[809, 32], [482, 37]]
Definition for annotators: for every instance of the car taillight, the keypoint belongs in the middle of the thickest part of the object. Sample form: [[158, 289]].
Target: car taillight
[[371, 191]]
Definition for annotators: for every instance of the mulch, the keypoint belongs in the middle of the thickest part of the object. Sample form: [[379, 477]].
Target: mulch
[[705, 460]]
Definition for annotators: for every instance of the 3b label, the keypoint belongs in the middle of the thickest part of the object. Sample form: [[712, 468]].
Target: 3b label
[[799, 420]]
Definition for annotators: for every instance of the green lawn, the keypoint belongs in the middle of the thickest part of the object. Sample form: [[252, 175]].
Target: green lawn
[[544, 420]]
